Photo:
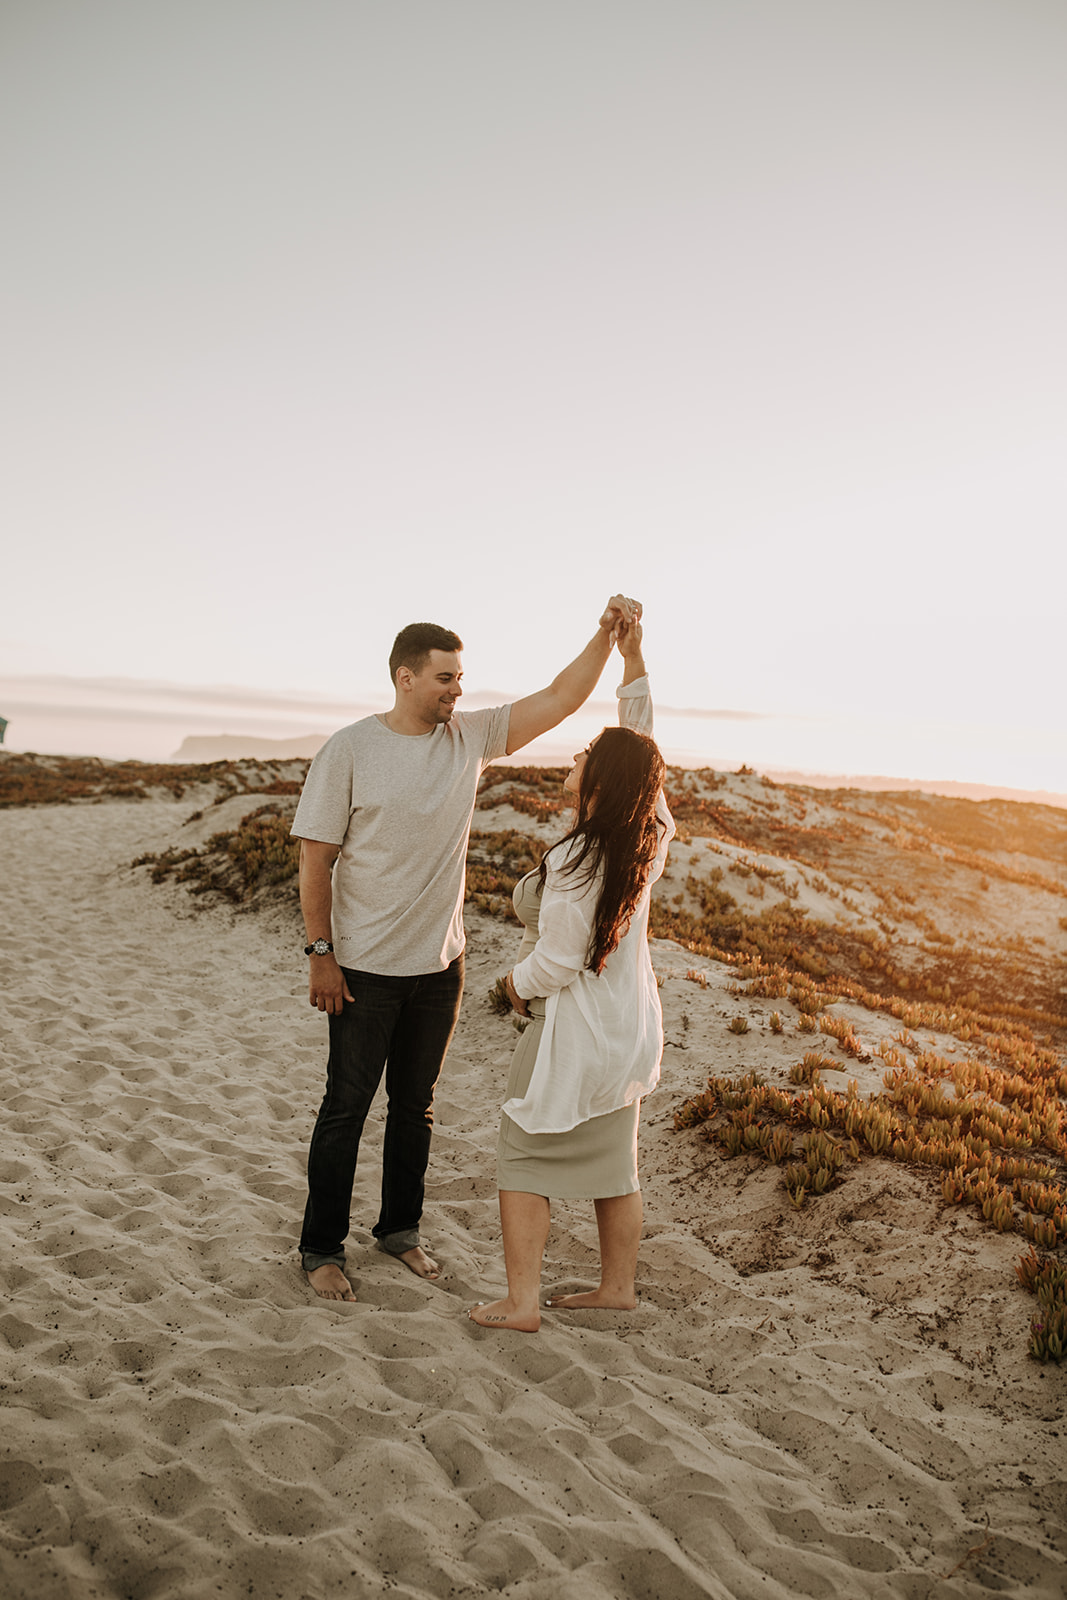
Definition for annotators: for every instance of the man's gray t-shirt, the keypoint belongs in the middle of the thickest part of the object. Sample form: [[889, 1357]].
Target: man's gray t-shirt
[[400, 807]]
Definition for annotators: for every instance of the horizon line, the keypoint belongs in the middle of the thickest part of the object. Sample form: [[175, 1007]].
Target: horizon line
[[875, 783]]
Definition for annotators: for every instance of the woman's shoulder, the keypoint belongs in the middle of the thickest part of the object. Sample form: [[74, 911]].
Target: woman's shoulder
[[561, 853], [564, 867]]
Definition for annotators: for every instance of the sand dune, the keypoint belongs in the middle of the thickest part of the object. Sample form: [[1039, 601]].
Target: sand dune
[[835, 1402]]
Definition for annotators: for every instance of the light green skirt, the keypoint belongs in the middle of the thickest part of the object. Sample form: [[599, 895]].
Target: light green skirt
[[594, 1161]]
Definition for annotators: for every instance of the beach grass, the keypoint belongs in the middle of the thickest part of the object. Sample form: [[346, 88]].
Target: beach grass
[[941, 916], [892, 877]]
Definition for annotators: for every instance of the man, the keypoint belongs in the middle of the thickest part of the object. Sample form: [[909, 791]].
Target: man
[[383, 823]]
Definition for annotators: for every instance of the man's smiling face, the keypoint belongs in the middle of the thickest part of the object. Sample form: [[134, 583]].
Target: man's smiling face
[[435, 690]]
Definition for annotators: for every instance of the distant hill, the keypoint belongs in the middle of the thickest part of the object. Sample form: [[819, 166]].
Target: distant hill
[[234, 747], [947, 787]]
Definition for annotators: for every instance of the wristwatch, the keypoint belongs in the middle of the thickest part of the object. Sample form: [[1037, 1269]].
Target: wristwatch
[[321, 947]]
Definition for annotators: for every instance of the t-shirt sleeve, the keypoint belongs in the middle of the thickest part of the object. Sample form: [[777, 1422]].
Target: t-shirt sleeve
[[325, 807], [490, 727]]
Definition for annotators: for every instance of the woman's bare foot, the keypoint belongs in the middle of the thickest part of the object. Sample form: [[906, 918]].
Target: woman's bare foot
[[420, 1263], [593, 1300], [502, 1314], [330, 1283]]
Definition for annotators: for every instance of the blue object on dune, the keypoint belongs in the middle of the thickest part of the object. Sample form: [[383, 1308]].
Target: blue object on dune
[[3, 728]]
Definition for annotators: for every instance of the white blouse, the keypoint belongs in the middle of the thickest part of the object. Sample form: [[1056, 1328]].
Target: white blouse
[[603, 1035]]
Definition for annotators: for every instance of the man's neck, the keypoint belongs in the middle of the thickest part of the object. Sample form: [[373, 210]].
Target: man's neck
[[410, 726]]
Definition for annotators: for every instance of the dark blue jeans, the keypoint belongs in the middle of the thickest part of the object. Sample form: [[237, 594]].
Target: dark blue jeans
[[402, 1026]]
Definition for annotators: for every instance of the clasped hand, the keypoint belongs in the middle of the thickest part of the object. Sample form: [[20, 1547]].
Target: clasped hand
[[619, 613]]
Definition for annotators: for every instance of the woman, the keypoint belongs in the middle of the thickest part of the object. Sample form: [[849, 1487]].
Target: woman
[[593, 1046]]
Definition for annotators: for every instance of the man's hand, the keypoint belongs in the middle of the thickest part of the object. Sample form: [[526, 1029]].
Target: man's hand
[[517, 1002], [327, 987], [619, 609]]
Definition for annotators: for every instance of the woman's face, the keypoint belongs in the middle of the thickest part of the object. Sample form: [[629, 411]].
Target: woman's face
[[572, 783]]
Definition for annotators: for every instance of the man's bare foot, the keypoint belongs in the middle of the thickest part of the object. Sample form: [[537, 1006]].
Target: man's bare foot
[[502, 1314], [420, 1263], [330, 1283], [593, 1300]]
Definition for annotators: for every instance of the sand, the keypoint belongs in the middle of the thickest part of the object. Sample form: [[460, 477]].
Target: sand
[[835, 1402]]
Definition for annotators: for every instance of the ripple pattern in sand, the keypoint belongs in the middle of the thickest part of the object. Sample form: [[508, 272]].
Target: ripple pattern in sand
[[180, 1421]]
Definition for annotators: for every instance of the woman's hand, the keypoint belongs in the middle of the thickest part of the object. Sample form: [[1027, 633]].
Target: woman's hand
[[517, 1002], [628, 638], [620, 611]]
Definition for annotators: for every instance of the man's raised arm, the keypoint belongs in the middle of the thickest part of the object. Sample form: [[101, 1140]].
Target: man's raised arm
[[537, 713]]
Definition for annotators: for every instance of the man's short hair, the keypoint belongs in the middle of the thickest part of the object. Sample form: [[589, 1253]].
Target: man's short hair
[[412, 645]]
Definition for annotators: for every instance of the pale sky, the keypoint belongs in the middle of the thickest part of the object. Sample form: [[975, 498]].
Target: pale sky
[[327, 316]]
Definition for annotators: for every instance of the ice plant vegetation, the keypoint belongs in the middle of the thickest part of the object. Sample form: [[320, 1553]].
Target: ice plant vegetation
[[56, 780], [235, 862], [896, 904], [995, 1140]]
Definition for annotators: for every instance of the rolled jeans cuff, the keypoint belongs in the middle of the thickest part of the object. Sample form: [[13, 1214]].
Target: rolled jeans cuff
[[310, 1261], [394, 1244]]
